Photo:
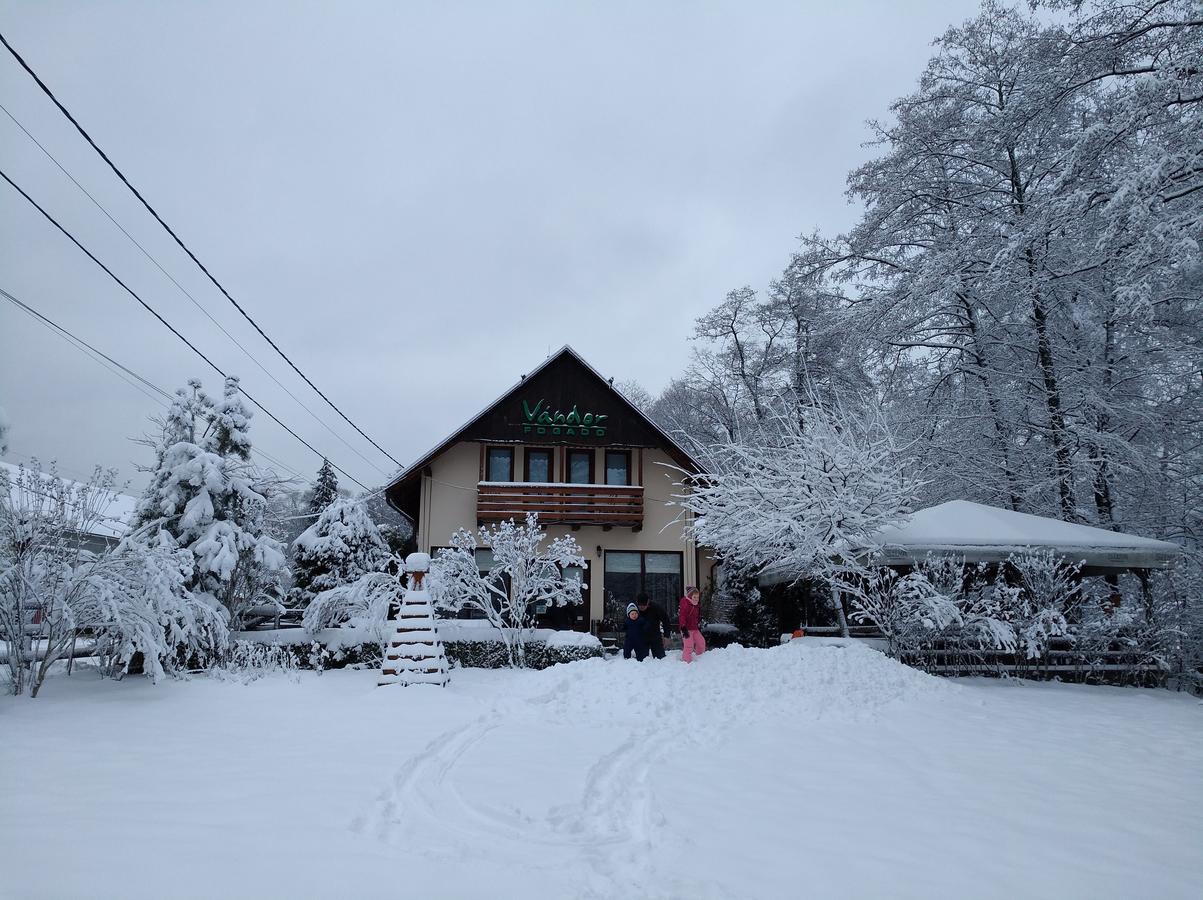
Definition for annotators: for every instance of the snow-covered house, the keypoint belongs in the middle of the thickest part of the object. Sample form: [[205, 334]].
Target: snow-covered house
[[117, 510], [564, 443]]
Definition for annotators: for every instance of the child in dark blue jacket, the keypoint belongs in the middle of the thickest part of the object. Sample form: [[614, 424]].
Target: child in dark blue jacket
[[637, 634]]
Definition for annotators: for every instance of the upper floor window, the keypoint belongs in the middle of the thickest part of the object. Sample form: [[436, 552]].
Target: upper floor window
[[580, 467], [538, 465], [499, 464], [618, 467]]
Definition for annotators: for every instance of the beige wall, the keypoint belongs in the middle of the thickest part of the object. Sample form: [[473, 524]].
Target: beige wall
[[449, 502]]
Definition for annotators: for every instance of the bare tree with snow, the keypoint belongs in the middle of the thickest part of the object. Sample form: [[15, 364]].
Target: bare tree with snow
[[804, 495], [127, 600], [525, 573]]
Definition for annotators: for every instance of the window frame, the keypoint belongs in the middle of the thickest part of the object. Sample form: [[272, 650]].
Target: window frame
[[551, 463], [591, 453], [489, 450], [626, 453], [679, 554]]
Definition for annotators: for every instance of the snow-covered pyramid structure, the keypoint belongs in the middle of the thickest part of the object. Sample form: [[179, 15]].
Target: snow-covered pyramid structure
[[414, 654]]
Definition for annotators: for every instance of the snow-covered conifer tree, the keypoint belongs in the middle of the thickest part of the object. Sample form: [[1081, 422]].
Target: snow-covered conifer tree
[[338, 549], [325, 488], [205, 496]]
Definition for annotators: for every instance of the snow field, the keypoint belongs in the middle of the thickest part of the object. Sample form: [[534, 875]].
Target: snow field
[[812, 769]]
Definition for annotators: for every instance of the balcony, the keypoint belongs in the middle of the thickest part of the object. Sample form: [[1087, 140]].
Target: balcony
[[564, 504]]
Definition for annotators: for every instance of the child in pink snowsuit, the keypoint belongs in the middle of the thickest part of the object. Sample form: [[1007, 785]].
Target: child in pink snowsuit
[[689, 617]]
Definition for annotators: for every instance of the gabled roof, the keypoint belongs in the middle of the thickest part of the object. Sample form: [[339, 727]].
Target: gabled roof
[[564, 357]]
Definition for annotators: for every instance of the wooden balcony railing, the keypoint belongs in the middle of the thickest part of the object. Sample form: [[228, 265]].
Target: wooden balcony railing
[[564, 504]]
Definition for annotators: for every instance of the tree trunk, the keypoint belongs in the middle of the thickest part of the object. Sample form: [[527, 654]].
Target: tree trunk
[[981, 370], [837, 600]]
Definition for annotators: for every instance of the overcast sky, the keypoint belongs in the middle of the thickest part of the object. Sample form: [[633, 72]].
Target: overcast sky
[[416, 200]]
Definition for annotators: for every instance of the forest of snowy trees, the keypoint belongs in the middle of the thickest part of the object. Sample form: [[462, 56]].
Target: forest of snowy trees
[[1020, 298]]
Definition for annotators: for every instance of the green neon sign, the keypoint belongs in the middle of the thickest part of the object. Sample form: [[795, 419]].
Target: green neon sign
[[543, 420]]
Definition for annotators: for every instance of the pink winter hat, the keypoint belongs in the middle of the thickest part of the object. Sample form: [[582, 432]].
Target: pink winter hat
[[689, 589]]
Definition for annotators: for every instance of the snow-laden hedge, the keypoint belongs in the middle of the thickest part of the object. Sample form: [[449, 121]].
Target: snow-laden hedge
[[468, 643]]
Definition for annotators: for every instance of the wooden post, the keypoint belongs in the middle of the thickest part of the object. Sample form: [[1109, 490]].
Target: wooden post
[[414, 654]]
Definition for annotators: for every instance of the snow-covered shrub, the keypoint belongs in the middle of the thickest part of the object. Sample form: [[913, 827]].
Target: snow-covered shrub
[[366, 602], [524, 575], [248, 661], [495, 654], [909, 610], [205, 496], [337, 550], [130, 601]]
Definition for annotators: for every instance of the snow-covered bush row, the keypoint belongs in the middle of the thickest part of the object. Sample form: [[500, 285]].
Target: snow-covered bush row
[[946, 615], [471, 647]]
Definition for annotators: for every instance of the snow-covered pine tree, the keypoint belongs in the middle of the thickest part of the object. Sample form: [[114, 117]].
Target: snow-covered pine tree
[[338, 549], [205, 496], [325, 489]]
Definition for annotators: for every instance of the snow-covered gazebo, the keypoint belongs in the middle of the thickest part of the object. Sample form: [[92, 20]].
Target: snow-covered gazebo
[[981, 533]]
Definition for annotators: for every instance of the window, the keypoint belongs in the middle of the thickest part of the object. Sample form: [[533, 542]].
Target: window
[[580, 467], [657, 574], [538, 465], [499, 465], [618, 467]]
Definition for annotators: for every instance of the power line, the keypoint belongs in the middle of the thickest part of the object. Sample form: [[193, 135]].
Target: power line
[[71, 338], [150, 309], [49, 93], [161, 396], [186, 293]]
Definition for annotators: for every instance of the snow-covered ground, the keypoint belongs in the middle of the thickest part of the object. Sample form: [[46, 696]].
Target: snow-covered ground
[[808, 770]]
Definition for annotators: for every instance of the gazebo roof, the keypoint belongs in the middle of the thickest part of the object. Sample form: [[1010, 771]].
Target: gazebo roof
[[983, 533]]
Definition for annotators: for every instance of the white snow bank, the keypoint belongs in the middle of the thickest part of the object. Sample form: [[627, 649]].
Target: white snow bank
[[816, 770]]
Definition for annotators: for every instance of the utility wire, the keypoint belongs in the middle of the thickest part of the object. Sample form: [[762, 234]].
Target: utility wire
[[49, 93], [101, 357], [150, 309], [161, 396], [187, 294]]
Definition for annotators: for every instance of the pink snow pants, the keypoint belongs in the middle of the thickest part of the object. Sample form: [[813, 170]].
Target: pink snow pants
[[694, 645]]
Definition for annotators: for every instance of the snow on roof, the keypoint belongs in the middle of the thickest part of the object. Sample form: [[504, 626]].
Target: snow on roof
[[981, 533], [117, 513], [984, 533]]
